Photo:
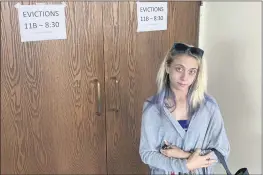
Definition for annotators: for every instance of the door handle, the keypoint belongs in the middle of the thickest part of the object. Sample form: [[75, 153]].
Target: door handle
[[116, 82], [98, 93]]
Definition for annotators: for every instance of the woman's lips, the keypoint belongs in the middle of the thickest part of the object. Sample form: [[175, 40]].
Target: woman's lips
[[182, 84]]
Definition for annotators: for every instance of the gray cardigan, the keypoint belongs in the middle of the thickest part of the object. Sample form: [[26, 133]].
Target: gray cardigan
[[206, 130]]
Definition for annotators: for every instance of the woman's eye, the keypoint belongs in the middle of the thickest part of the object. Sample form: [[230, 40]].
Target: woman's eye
[[192, 72], [179, 69]]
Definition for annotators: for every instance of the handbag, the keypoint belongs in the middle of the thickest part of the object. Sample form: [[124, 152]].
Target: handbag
[[242, 171]]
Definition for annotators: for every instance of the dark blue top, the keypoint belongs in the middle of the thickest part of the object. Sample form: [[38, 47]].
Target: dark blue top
[[184, 124]]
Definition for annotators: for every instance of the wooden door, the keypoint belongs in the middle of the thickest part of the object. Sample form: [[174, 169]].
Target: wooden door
[[131, 63], [48, 96]]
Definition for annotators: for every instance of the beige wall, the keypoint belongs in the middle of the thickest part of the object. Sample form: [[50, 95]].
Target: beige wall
[[230, 34]]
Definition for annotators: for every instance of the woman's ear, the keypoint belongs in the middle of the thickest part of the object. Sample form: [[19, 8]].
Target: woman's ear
[[166, 69]]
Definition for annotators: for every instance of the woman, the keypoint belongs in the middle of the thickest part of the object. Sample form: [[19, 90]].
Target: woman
[[183, 116]]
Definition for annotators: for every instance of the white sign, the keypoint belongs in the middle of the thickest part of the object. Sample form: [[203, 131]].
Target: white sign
[[151, 16], [42, 22]]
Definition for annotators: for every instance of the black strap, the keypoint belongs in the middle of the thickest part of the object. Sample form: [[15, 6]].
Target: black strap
[[222, 160]]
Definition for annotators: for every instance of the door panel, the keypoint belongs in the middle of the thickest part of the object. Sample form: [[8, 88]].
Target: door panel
[[131, 63], [49, 96], [49, 89]]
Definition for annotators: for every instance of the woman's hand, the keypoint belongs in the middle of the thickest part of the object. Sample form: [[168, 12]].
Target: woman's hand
[[196, 161], [175, 152]]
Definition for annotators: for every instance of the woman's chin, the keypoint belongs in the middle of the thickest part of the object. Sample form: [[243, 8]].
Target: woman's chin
[[182, 88]]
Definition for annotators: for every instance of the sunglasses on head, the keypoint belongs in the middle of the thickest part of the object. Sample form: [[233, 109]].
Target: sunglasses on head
[[183, 48]]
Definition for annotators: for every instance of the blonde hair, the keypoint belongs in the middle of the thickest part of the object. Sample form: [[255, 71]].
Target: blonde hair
[[198, 88]]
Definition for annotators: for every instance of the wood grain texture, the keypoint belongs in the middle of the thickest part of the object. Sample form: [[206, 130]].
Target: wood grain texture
[[134, 59], [48, 95], [48, 99]]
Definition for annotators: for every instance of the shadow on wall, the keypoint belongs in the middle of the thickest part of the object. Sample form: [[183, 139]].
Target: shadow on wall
[[227, 83]]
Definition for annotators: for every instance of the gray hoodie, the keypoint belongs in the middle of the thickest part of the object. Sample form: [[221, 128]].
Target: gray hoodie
[[206, 130]]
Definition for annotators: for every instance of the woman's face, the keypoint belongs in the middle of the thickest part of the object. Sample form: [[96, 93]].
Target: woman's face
[[182, 72]]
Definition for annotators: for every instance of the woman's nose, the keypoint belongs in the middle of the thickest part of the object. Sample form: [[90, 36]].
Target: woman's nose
[[184, 76]]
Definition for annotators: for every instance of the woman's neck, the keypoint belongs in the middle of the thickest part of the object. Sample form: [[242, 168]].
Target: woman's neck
[[180, 95]]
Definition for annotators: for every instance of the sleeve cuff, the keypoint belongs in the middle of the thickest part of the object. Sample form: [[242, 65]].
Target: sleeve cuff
[[180, 166]]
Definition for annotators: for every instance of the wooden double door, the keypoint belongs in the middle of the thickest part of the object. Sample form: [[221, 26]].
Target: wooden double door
[[74, 106]]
